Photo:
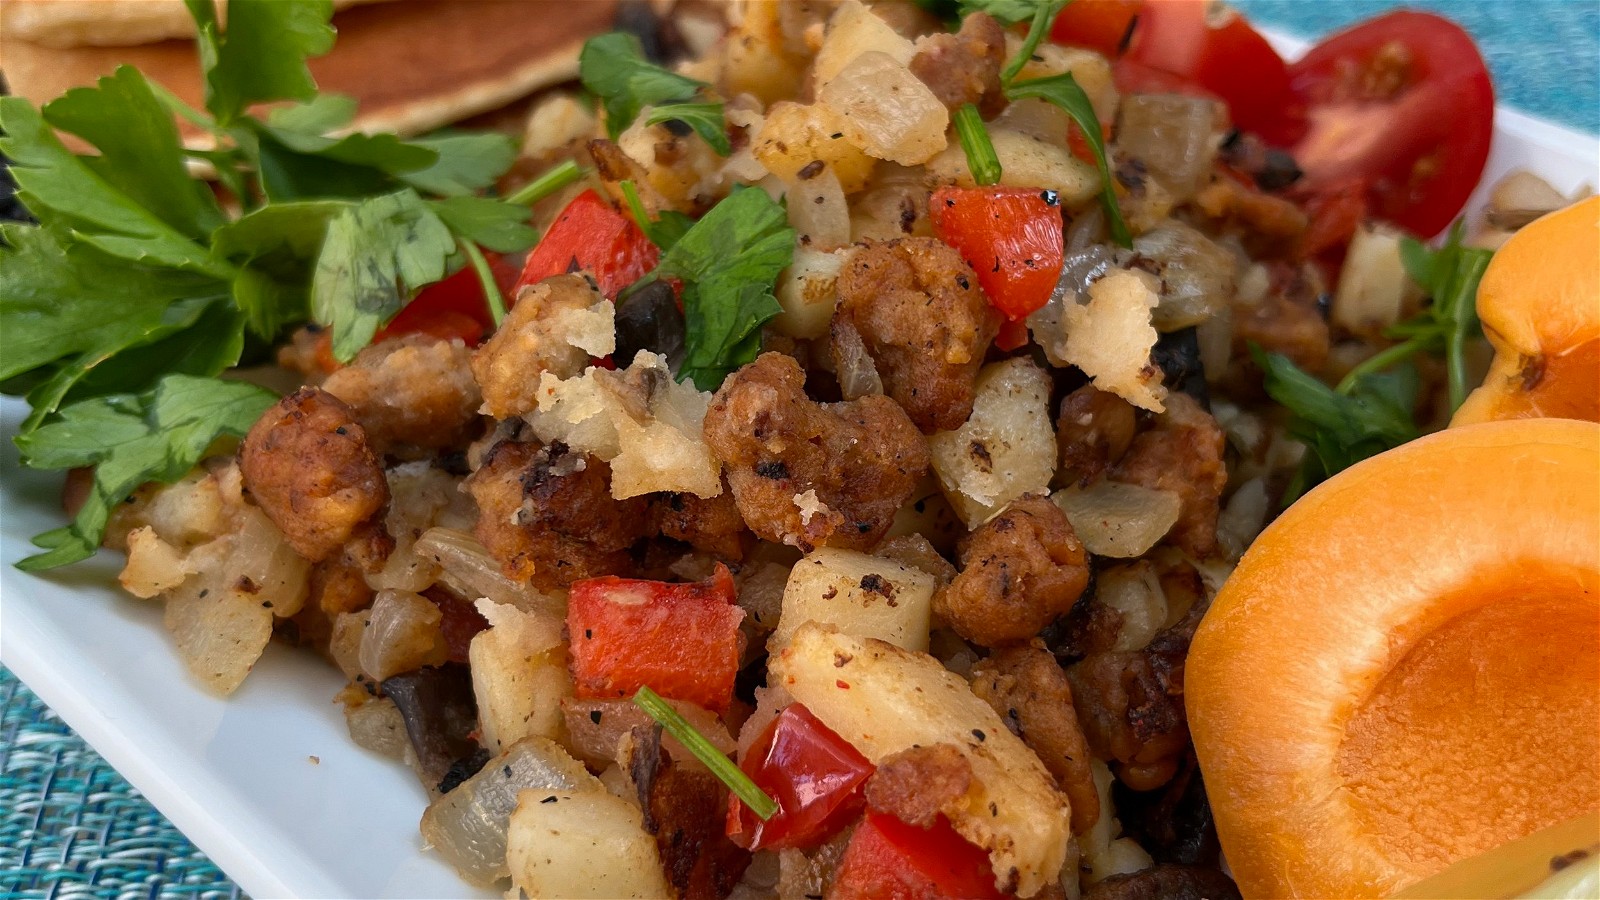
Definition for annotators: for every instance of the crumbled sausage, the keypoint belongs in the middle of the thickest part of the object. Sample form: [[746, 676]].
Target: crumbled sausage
[[546, 514], [915, 551], [1033, 697], [924, 321], [1270, 223], [964, 67], [1166, 882], [1019, 571], [1130, 704], [713, 525], [1287, 320], [532, 339], [916, 785], [412, 391], [307, 463], [1182, 453], [304, 353], [1093, 429], [805, 473]]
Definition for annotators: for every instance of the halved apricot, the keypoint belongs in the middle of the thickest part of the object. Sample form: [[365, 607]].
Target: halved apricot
[[1404, 670], [1540, 306]]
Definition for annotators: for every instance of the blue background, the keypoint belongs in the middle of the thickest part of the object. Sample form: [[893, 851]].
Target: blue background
[[70, 826]]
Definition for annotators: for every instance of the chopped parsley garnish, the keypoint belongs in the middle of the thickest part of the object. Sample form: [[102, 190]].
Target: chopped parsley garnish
[[613, 68], [729, 774], [1371, 409], [981, 159]]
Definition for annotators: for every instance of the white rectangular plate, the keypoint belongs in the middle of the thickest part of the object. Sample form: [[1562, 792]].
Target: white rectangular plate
[[267, 782]]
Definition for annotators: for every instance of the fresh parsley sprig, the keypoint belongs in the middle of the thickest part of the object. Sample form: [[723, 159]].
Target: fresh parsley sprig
[[136, 287], [613, 68], [1371, 409], [981, 159]]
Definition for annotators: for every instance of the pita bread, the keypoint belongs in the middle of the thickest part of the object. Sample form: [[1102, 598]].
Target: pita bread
[[412, 65], [61, 24]]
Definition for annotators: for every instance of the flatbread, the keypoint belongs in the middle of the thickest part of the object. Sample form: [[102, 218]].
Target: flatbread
[[412, 65], [61, 24]]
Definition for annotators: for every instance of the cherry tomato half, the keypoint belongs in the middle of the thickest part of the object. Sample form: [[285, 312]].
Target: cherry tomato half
[[1212, 47], [591, 235], [680, 640], [890, 860], [1012, 238], [815, 775], [1402, 103]]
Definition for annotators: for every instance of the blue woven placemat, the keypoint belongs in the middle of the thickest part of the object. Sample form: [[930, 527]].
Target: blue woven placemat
[[71, 827]]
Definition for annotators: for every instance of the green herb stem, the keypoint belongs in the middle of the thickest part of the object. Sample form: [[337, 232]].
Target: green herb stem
[[491, 289], [1376, 363], [729, 774], [975, 143], [547, 184], [1064, 91], [1042, 17]]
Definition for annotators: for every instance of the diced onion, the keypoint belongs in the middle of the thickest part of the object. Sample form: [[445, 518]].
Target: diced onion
[[1119, 520]]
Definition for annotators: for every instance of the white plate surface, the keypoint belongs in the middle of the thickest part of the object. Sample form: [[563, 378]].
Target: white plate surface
[[237, 775]]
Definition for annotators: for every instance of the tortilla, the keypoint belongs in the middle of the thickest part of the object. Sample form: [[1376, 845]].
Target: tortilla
[[61, 24], [412, 65]]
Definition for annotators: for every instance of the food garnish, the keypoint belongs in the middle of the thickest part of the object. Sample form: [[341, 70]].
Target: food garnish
[[729, 774], [613, 67]]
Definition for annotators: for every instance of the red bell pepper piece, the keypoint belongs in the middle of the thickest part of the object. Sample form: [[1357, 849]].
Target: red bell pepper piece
[[815, 775], [888, 859], [680, 640], [590, 235], [1012, 237]]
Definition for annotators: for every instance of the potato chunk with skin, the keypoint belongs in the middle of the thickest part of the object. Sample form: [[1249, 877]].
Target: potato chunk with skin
[[555, 326], [1005, 449], [866, 596], [884, 700], [307, 464], [582, 844]]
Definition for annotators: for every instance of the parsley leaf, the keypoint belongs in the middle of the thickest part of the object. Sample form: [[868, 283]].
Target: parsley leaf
[[139, 151], [1010, 12], [131, 440], [613, 68], [465, 163], [262, 56], [728, 262], [1450, 276], [377, 253], [487, 222], [60, 189], [664, 231], [1340, 427], [1063, 90]]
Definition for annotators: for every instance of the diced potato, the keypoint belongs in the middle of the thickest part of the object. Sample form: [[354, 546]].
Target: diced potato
[[818, 211], [808, 291], [753, 57], [555, 122], [469, 825], [887, 111], [567, 844], [419, 494], [643, 422], [854, 30], [1135, 592], [862, 595], [154, 566], [883, 699], [1116, 519], [1028, 162], [519, 676], [1373, 285], [1110, 338], [1089, 69], [1006, 448], [220, 630], [929, 515], [794, 135]]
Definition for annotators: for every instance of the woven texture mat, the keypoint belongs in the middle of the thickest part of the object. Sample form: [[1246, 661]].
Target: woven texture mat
[[71, 827]]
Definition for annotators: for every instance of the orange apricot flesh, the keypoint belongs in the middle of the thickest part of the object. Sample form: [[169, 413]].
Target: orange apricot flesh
[[1540, 306], [1404, 670]]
